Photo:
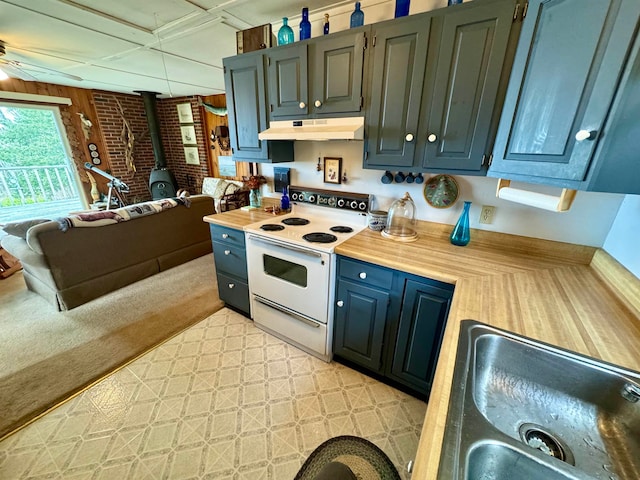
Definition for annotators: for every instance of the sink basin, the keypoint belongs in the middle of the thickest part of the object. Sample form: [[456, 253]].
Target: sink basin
[[517, 403]]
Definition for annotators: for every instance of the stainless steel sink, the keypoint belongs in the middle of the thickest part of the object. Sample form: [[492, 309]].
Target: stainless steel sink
[[523, 409]]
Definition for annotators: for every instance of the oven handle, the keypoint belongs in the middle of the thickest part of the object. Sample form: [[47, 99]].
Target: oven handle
[[287, 247], [286, 310]]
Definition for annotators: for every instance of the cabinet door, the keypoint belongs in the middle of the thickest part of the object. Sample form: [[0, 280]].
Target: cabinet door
[[288, 90], [336, 77], [567, 65], [399, 55], [359, 324], [424, 312], [458, 109], [246, 104]]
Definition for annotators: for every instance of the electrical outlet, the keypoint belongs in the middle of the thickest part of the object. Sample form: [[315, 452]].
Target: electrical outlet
[[486, 215]]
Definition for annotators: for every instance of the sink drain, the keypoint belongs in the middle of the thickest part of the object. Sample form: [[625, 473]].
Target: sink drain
[[537, 437]]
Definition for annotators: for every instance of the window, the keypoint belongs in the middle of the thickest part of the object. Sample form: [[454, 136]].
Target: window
[[37, 179]]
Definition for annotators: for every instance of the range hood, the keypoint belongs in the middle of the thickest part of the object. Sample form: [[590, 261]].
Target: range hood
[[347, 128]]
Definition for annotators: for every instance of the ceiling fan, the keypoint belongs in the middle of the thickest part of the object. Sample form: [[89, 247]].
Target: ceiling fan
[[23, 70]]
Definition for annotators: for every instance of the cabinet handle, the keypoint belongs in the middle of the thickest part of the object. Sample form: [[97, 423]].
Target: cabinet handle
[[409, 137], [432, 138], [225, 235], [585, 135], [363, 275], [302, 105], [231, 285], [318, 103], [340, 303], [227, 252]]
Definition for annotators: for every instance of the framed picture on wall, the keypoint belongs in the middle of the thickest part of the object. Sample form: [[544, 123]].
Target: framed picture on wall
[[332, 170], [191, 155], [226, 166], [185, 115], [188, 133]]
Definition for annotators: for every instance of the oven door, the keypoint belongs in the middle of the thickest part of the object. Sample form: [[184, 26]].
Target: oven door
[[289, 276]]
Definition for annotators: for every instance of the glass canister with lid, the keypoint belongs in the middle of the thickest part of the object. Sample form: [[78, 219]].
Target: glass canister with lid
[[401, 220]]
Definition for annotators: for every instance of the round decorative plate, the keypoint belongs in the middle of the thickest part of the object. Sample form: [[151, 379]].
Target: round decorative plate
[[441, 191]]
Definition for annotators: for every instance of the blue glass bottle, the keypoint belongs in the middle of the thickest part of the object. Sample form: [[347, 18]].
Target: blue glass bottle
[[285, 34], [461, 235], [357, 17], [325, 27], [284, 200], [305, 25], [402, 8]]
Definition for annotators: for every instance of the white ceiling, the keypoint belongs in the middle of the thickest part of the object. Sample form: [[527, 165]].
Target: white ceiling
[[174, 47]]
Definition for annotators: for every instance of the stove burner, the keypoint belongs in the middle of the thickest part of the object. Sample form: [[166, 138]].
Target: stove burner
[[271, 227], [295, 221], [341, 229], [319, 237]]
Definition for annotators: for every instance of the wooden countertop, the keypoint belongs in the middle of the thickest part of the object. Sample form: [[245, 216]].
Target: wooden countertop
[[572, 296]]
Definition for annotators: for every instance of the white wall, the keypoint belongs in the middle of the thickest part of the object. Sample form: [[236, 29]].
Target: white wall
[[587, 222], [622, 241]]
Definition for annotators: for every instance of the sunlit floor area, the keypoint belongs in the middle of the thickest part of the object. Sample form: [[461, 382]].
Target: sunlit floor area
[[223, 400]]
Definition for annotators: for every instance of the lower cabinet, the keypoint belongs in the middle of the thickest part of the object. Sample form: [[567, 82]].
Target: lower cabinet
[[231, 266], [390, 322]]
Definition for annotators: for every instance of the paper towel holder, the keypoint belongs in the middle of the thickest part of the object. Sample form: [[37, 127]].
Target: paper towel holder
[[539, 200]]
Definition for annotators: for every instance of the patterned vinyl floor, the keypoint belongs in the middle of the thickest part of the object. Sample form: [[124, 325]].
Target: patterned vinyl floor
[[221, 400]]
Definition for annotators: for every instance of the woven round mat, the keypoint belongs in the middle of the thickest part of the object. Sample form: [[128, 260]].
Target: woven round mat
[[364, 459]]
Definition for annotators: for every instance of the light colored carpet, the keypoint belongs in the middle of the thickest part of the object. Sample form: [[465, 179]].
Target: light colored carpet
[[46, 356]]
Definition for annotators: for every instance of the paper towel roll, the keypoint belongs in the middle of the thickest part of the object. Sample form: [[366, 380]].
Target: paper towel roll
[[533, 199]]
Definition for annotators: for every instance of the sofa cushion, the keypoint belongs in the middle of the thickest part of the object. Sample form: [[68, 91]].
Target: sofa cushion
[[214, 187], [19, 229]]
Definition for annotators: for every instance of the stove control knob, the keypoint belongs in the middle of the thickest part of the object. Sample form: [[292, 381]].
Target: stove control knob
[[341, 202], [362, 206], [227, 252], [312, 199], [363, 275], [340, 303], [332, 201], [354, 204]]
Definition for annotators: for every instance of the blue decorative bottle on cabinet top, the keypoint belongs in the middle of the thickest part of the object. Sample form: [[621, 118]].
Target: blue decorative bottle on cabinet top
[[325, 27], [305, 25], [402, 8], [285, 34], [461, 235], [357, 17]]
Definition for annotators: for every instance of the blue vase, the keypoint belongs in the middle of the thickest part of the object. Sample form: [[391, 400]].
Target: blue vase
[[357, 17], [284, 200], [254, 198], [461, 235], [402, 8], [305, 25], [285, 34], [325, 27]]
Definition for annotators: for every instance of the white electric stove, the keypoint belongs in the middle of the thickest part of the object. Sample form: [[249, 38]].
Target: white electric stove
[[291, 265]]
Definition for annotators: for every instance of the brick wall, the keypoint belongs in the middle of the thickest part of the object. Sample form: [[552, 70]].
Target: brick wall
[[188, 176], [111, 124]]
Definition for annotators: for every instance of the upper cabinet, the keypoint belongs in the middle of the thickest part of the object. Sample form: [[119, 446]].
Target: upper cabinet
[[570, 60], [246, 103], [398, 58], [455, 126], [435, 81], [319, 77]]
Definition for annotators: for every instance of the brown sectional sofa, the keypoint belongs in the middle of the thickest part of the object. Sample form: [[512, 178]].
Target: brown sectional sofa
[[73, 267]]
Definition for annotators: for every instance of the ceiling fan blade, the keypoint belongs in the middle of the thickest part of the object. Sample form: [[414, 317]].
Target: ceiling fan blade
[[15, 72]]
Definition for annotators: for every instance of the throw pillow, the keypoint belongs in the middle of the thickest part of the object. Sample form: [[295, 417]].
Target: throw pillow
[[19, 229]]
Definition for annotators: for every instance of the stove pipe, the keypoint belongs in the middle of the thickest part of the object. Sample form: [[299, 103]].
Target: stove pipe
[[162, 183]]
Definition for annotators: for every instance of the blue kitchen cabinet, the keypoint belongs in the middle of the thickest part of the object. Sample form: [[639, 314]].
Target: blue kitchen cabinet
[[571, 57], [230, 257], [245, 87], [318, 77], [420, 327], [435, 81], [390, 323]]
